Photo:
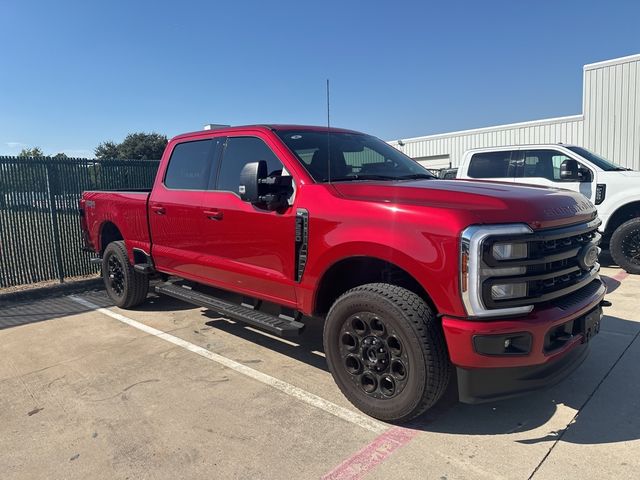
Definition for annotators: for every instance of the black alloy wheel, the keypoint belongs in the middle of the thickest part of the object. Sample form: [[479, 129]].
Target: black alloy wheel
[[631, 247], [372, 353], [125, 287], [386, 351], [116, 276], [625, 246]]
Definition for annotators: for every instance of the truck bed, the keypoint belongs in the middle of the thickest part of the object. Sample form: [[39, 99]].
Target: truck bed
[[125, 208]]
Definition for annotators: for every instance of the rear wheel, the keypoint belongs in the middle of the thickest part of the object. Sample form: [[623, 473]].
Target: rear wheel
[[126, 287], [386, 351], [625, 246]]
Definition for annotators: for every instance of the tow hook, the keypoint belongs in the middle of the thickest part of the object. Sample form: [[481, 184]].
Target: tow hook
[[605, 303]]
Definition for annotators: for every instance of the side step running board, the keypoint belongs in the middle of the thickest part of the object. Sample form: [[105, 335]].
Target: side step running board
[[255, 318]]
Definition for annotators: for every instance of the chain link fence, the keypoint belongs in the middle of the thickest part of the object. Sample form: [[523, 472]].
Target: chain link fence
[[39, 221]]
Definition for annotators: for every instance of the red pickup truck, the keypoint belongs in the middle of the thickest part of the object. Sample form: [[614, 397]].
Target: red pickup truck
[[418, 280]]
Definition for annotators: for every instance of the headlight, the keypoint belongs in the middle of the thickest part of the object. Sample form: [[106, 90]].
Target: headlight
[[473, 271], [510, 251]]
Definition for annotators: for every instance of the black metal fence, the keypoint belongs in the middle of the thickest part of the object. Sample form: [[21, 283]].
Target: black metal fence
[[39, 221]]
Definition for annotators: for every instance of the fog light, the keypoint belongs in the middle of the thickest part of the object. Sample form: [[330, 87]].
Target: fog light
[[510, 251], [506, 344], [508, 290]]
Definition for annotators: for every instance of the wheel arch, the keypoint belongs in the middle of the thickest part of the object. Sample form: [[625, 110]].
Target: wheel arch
[[622, 214], [109, 232], [351, 272]]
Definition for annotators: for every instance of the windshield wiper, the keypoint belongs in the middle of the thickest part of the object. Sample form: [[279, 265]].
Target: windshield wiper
[[373, 176], [362, 176], [416, 176]]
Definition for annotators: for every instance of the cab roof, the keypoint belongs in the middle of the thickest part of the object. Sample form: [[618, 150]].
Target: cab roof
[[261, 127], [523, 146]]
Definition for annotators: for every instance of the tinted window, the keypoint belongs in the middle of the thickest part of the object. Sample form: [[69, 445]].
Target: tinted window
[[240, 151], [190, 165], [542, 164], [354, 156], [491, 165]]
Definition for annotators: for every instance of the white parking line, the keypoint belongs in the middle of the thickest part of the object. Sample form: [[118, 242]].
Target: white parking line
[[293, 391]]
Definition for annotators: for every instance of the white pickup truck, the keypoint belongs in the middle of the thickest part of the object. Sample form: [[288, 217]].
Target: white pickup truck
[[613, 189]]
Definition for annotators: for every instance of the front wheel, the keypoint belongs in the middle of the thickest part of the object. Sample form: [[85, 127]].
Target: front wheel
[[386, 351], [625, 246], [126, 287]]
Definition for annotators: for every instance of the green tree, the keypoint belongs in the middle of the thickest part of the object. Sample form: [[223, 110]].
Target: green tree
[[31, 152], [135, 146], [60, 155], [142, 146], [106, 150]]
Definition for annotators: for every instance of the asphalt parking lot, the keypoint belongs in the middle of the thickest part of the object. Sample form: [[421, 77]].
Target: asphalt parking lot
[[172, 391]]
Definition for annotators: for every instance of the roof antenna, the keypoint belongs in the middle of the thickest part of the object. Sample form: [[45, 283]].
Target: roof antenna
[[328, 137]]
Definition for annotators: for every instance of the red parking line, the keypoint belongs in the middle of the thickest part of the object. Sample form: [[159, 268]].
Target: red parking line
[[620, 276], [372, 455]]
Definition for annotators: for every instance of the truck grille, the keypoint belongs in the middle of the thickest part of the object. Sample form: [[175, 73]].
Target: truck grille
[[556, 265]]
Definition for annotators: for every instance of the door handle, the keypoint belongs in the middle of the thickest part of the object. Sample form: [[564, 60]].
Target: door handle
[[158, 209], [214, 214]]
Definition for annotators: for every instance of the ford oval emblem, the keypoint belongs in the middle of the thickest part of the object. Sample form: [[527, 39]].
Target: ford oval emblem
[[588, 256]]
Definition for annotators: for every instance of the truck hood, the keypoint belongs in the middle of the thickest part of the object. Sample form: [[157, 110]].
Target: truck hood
[[630, 177], [489, 202]]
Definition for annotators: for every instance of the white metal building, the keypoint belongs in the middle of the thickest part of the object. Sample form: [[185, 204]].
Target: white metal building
[[609, 124]]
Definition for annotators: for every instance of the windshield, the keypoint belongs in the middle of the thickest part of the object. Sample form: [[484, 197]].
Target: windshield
[[596, 159], [354, 156]]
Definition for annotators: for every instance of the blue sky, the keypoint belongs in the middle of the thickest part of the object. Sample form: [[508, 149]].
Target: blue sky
[[76, 73]]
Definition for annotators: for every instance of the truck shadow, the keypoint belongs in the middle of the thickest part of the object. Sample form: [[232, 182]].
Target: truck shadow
[[39, 309], [611, 283], [300, 348], [599, 403], [602, 414]]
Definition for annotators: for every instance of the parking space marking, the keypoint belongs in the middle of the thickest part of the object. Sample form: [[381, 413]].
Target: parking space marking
[[350, 416], [620, 276], [371, 455]]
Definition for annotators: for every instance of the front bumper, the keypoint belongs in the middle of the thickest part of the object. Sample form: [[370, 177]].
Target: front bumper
[[488, 384], [484, 377]]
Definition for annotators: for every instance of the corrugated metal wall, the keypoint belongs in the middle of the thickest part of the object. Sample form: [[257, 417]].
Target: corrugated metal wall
[[609, 126], [612, 110]]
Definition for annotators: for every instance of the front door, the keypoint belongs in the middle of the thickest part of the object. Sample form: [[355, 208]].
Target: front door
[[247, 248], [542, 167]]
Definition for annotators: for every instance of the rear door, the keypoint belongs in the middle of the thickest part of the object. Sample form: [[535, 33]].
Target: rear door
[[175, 217], [542, 167], [247, 248], [497, 165]]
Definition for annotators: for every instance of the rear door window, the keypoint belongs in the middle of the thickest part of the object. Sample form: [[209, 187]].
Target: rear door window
[[492, 165], [191, 164]]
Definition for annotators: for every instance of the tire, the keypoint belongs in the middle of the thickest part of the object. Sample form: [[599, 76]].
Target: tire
[[126, 287], [625, 246], [386, 351]]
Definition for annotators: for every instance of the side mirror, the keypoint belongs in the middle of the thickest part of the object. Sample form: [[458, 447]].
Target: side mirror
[[258, 188], [585, 174], [250, 177], [569, 170]]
